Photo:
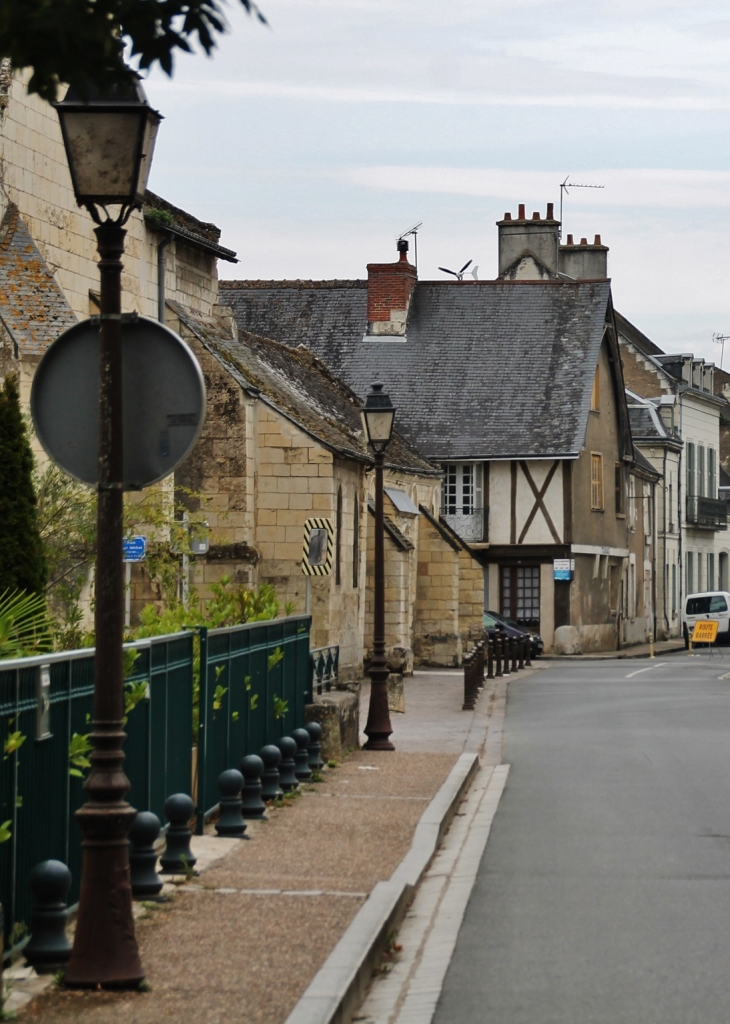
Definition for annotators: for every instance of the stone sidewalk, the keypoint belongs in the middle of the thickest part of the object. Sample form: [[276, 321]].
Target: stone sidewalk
[[243, 940]]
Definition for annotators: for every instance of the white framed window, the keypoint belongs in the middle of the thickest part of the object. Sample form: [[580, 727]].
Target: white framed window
[[461, 490]]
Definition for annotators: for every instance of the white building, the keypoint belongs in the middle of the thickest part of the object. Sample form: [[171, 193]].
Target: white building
[[676, 423]]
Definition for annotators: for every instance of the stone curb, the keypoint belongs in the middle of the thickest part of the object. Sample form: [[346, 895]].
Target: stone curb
[[338, 988]]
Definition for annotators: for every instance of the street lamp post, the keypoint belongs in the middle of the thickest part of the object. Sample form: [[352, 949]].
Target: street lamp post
[[109, 143], [378, 415]]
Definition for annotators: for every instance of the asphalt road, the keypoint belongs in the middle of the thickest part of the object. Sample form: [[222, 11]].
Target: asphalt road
[[603, 896]]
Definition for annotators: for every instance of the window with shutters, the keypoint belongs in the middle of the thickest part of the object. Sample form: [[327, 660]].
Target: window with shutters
[[690, 469], [700, 487], [690, 572], [596, 482], [711, 473]]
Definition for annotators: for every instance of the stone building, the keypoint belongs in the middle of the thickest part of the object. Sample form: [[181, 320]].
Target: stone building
[[283, 444], [514, 387]]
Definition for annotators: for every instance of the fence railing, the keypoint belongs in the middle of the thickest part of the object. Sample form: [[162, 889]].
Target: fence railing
[[254, 684], [325, 663], [47, 699], [264, 669]]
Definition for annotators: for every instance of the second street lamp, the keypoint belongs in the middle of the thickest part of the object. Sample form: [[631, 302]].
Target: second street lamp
[[378, 415], [109, 143]]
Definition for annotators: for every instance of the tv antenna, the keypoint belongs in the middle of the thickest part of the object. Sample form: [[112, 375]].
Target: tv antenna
[[564, 186], [412, 231], [720, 339], [459, 274]]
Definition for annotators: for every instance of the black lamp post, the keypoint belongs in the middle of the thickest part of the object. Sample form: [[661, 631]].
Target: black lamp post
[[109, 143], [378, 415]]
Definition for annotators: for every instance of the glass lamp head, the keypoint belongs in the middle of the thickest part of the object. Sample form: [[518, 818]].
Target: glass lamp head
[[378, 415]]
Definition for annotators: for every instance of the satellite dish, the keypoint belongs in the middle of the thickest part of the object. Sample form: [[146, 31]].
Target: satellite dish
[[163, 396]]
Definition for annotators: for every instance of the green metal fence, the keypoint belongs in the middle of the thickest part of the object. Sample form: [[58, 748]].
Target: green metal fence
[[48, 699], [255, 682]]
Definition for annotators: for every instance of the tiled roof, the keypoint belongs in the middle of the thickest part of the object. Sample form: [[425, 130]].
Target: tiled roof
[[299, 385], [33, 308], [488, 369]]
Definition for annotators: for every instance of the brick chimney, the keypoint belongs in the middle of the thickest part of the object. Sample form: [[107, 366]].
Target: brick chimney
[[583, 261], [524, 237], [390, 286]]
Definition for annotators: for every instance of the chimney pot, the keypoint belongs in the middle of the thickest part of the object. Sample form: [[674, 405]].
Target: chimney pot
[[597, 240], [536, 216], [570, 239], [584, 241], [508, 216], [402, 245], [550, 215], [521, 212]]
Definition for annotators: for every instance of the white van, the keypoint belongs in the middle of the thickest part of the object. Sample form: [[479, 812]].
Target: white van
[[712, 604]]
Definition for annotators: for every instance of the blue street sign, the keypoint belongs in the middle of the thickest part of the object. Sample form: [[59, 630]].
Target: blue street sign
[[135, 549]]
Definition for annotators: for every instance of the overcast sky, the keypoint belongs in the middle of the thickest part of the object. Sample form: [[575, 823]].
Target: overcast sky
[[314, 142]]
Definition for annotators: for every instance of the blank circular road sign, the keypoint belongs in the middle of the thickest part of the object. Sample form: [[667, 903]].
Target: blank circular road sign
[[163, 396]]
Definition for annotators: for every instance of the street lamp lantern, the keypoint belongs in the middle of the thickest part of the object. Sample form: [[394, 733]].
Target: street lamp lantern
[[378, 416], [109, 141]]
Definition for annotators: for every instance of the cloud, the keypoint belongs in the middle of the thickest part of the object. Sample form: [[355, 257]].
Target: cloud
[[646, 188], [347, 94]]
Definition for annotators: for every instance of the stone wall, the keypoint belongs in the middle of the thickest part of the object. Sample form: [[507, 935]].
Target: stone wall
[[437, 638]]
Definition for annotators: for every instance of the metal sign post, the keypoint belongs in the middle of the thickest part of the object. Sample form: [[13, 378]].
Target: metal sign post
[[135, 550]]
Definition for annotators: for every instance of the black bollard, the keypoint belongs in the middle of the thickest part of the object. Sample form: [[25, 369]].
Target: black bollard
[[252, 768], [497, 657], [513, 649], [521, 651], [178, 858], [230, 821], [301, 758], [48, 948], [505, 656], [528, 659], [490, 659], [287, 777], [270, 788], [146, 883], [315, 748]]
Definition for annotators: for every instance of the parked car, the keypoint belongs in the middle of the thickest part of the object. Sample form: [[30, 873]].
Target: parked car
[[494, 623], [712, 604]]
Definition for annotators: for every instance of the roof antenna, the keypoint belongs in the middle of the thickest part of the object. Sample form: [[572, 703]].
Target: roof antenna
[[720, 339], [459, 274], [412, 231], [564, 185]]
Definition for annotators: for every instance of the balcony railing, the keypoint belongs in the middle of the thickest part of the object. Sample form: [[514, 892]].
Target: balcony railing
[[468, 523], [706, 513]]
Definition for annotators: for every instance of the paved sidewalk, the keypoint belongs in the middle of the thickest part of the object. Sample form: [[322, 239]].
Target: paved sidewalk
[[632, 651], [244, 940]]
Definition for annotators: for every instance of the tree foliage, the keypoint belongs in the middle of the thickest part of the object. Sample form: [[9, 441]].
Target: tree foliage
[[22, 560], [83, 42]]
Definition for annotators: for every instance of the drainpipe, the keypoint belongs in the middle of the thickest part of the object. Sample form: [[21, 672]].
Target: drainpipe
[[664, 545], [161, 270]]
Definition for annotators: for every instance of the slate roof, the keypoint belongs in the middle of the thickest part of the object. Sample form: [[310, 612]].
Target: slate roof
[[297, 384], [33, 308], [488, 369]]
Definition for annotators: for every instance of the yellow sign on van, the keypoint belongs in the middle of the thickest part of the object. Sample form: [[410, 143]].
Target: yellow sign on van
[[705, 632]]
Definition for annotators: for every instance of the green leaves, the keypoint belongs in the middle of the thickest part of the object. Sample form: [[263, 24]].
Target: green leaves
[[14, 741], [5, 832], [24, 625], [78, 748], [83, 43], [274, 658], [280, 707]]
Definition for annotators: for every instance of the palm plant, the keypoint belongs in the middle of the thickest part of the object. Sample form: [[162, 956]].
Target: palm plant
[[24, 625]]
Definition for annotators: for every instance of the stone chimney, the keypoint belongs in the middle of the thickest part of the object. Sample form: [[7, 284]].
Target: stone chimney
[[390, 286], [584, 262], [522, 238]]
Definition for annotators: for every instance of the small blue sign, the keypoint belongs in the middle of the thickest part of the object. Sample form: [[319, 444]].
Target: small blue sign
[[135, 549]]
